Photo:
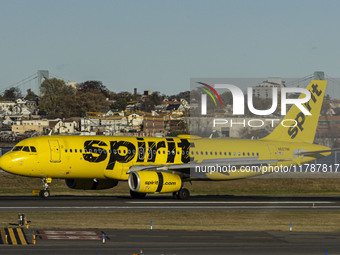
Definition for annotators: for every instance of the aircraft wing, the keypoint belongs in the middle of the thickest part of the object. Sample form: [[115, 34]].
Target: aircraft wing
[[184, 169], [309, 153]]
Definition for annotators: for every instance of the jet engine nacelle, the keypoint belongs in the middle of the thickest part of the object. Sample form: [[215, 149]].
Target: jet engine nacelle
[[152, 181], [90, 184]]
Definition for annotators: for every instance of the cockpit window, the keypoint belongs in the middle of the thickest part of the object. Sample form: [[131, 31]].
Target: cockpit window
[[26, 148], [17, 148], [33, 149]]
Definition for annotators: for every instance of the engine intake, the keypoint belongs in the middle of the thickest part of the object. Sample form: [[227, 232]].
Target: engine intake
[[152, 181], [90, 184]]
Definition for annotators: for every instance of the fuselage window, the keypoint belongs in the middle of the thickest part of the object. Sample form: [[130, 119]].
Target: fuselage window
[[206, 153], [80, 150], [253, 154], [26, 148], [119, 151], [211, 153], [17, 148], [229, 153], [75, 150], [33, 149], [70, 150], [234, 153], [244, 154], [248, 154], [192, 153], [257, 153], [163, 152], [159, 152], [197, 153], [65, 150], [220, 153], [201, 152], [239, 153]]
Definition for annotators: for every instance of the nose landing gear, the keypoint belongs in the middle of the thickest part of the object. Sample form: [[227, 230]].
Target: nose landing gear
[[45, 192]]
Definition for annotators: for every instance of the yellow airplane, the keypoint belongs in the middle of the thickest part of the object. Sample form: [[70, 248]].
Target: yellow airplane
[[160, 165]]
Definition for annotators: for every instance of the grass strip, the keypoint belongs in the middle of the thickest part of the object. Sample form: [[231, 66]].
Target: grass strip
[[303, 221]]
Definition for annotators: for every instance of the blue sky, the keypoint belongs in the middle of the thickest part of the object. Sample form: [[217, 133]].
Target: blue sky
[[160, 45]]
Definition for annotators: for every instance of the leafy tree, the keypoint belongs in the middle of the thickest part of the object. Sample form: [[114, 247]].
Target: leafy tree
[[91, 97], [56, 98], [31, 96], [12, 94], [155, 98], [93, 87]]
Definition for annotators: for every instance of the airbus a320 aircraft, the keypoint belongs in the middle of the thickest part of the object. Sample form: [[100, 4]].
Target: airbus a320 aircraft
[[160, 165]]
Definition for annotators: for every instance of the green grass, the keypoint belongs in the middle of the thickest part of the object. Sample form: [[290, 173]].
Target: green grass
[[311, 220], [17, 185], [303, 221]]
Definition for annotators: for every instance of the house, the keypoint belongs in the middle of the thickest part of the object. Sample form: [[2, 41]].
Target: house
[[65, 127], [41, 126]]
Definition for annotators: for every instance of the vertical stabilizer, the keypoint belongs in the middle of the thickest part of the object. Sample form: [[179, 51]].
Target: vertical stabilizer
[[304, 127]]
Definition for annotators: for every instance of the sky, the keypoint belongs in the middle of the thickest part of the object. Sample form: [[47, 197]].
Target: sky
[[160, 45]]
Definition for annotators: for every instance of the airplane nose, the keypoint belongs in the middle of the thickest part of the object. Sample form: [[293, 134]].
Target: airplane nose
[[6, 163]]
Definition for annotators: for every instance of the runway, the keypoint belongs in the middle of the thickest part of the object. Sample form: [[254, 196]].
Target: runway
[[186, 242], [197, 203]]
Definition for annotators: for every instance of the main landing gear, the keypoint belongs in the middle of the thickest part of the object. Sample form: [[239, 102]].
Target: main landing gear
[[45, 192], [137, 194], [182, 194]]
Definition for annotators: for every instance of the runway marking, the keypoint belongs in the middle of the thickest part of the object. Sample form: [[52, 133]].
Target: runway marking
[[21, 236], [80, 233], [12, 236], [149, 236], [69, 235], [211, 237], [3, 236], [231, 202], [166, 207]]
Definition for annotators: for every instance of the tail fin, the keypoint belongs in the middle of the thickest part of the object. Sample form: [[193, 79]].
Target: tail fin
[[304, 128]]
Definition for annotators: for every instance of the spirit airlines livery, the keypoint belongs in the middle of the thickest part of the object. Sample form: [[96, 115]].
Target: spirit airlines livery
[[160, 165]]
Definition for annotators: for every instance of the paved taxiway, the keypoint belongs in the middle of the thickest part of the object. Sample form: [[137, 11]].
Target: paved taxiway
[[188, 242], [224, 203]]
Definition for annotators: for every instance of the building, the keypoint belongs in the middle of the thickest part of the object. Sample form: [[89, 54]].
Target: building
[[265, 89], [329, 126], [66, 127], [41, 126]]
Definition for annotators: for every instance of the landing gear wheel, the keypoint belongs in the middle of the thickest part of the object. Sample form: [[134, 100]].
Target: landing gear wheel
[[183, 194], [137, 194], [44, 193]]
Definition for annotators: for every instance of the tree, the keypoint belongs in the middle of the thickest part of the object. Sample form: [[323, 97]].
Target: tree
[[12, 94], [93, 87], [57, 98], [31, 96]]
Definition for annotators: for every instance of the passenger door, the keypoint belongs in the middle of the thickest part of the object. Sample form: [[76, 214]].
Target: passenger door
[[55, 150]]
